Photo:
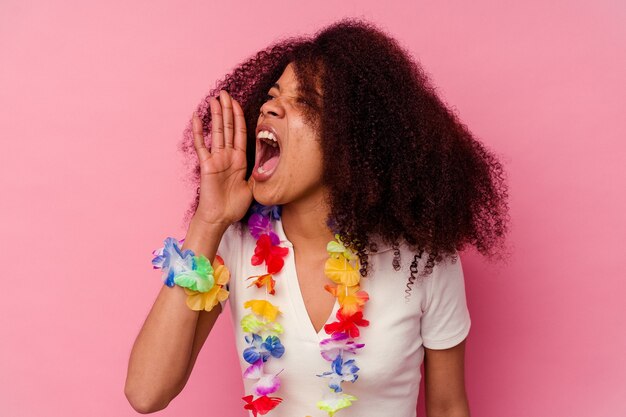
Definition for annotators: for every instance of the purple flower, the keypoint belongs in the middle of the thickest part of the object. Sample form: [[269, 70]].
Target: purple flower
[[267, 383], [261, 225], [336, 344]]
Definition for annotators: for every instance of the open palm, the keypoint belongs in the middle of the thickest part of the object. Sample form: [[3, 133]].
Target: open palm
[[225, 195]]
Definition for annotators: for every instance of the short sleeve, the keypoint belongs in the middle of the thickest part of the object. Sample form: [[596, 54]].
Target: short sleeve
[[229, 250], [445, 320]]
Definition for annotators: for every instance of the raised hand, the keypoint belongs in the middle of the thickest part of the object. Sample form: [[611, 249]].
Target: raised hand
[[225, 195]]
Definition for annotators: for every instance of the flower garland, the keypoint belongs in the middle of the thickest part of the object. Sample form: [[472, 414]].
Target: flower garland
[[203, 283], [262, 330]]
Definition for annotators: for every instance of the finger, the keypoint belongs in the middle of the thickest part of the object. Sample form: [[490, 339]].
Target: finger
[[227, 110], [240, 127], [198, 138], [217, 128]]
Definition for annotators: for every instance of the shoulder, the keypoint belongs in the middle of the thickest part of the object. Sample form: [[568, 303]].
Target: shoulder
[[416, 269], [398, 257], [407, 255]]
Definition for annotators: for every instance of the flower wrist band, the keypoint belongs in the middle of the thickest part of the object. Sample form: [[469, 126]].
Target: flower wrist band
[[203, 283]]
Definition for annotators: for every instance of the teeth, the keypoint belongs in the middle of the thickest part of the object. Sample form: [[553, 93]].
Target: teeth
[[260, 170], [266, 134]]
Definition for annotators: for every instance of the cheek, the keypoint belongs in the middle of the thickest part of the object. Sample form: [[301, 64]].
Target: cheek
[[309, 162], [317, 165]]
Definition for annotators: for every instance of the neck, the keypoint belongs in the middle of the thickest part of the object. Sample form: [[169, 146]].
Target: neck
[[304, 222]]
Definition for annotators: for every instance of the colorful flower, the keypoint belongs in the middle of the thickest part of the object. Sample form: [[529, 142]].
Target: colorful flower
[[250, 323], [271, 254], [335, 402], [199, 278], [347, 323], [264, 280], [263, 308], [260, 225], [267, 383], [341, 371], [341, 271], [172, 260], [261, 405], [351, 299], [337, 343], [267, 211], [260, 349], [337, 247], [207, 300]]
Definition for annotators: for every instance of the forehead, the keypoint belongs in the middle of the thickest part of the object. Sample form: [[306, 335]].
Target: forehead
[[287, 83]]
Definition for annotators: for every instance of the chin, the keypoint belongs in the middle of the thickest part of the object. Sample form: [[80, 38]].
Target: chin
[[262, 196]]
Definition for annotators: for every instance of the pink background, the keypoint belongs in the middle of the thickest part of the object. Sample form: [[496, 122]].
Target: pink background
[[94, 98]]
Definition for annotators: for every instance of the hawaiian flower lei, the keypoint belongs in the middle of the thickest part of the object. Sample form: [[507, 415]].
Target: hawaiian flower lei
[[262, 330]]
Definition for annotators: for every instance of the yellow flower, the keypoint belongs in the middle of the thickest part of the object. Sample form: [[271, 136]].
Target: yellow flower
[[263, 308], [341, 271]]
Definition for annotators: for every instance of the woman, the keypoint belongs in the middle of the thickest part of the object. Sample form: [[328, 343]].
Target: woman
[[337, 189]]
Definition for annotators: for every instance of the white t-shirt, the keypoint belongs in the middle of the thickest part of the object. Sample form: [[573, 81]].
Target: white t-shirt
[[436, 316]]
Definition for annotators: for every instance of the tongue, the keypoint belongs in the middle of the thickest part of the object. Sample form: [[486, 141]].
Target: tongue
[[271, 163]]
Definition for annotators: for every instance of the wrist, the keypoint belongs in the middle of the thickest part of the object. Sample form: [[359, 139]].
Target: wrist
[[204, 237], [194, 268], [209, 227]]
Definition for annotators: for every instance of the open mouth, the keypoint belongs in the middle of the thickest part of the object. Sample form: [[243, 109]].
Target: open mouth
[[267, 155]]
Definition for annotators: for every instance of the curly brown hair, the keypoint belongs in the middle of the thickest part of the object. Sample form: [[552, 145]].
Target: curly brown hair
[[398, 163]]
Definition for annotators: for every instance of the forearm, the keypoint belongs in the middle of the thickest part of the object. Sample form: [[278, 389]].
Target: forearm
[[159, 363]]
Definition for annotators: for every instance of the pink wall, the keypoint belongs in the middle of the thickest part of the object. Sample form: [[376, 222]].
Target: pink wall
[[93, 99]]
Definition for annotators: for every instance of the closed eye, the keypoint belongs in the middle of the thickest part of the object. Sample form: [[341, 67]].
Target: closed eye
[[303, 101], [299, 100]]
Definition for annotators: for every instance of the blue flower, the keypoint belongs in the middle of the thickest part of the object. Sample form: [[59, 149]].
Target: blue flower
[[341, 371], [273, 346], [260, 349], [275, 212], [272, 211], [333, 225], [172, 260]]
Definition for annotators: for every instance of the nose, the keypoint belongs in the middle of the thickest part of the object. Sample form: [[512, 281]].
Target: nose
[[272, 108]]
